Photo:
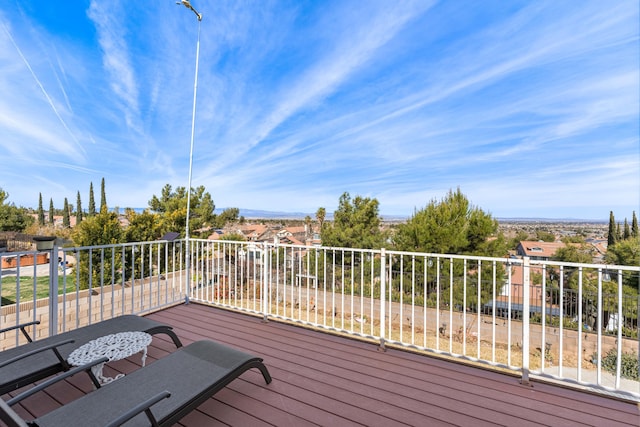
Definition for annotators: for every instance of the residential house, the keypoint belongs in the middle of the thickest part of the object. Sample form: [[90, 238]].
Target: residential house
[[538, 250]]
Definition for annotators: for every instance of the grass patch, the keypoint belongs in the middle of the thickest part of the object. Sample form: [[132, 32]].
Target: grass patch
[[28, 286]]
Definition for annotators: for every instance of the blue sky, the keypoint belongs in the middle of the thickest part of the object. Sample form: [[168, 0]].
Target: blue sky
[[530, 107]]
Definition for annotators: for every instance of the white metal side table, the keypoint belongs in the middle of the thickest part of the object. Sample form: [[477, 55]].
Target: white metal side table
[[114, 347]]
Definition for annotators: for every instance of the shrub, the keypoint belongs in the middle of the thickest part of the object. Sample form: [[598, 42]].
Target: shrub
[[629, 367]]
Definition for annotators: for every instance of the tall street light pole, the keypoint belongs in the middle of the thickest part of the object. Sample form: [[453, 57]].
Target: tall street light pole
[[187, 4]]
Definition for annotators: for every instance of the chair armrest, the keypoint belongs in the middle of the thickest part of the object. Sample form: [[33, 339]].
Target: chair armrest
[[52, 346], [141, 407], [22, 327], [86, 367]]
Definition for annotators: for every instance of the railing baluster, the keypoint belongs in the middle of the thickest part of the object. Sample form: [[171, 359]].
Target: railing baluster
[[561, 328], [580, 325], [494, 286], [525, 321], [509, 316], [619, 334], [451, 304], [383, 302]]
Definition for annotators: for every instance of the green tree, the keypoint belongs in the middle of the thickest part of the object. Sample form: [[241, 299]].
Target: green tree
[[226, 216], [78, 209], [51, 212], [634, 225], [40, 211], [625, 252], [172, 206], [356, 224], [450, 226], [611, 234], [11, 217], [101, 229], [321, 214], [519, 237], [573, 239], [482, 235], [65, 214], [143, 227], [96, 267], [573, 253], [626, 231], [92, 201], [545, 236], [308, 231], [234, 237], [103, 196]]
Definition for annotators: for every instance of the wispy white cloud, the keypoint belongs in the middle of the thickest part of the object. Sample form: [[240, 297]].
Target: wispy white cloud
[[116, 57], [14, 124], [343, 57]]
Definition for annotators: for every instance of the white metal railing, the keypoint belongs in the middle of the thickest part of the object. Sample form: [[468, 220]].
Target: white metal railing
[[582, 331], [571, 322], [92, 284]]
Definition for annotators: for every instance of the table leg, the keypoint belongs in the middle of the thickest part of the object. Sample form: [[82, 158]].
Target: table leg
[[97, 372], [144, 356]]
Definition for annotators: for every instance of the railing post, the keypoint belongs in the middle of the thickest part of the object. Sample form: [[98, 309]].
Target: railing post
[[383, 296], [187, 262], [525, 320], [53, 290], [265, 286]]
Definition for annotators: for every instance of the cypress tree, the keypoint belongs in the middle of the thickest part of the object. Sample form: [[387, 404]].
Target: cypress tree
[[627, 232], [611, 235], [65, 214], [103, 197], [40, 212], [92, 202], [50, 211], [78, 209], [634, 225]]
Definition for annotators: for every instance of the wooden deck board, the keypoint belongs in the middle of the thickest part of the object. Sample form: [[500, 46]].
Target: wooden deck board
[[324, 379]]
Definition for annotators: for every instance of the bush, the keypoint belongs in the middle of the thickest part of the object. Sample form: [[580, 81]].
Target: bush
[[629, 367]]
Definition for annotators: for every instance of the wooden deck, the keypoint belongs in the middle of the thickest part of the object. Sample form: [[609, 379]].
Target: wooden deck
[[322, 379]]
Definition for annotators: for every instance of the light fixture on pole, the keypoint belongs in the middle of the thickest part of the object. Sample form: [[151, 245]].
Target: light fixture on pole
[[44, 243], [187, 4]]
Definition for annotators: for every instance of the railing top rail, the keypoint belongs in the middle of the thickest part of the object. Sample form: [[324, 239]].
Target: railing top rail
[[128, 244], [17, 253], [608, 267], [327, 248], [456, 256]]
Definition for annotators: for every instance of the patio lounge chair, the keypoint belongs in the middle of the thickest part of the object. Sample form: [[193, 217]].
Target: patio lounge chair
[[40, 359], [159, 394]]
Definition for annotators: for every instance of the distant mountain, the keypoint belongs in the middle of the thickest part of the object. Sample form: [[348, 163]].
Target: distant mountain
[[262, 214], [554, 220]]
